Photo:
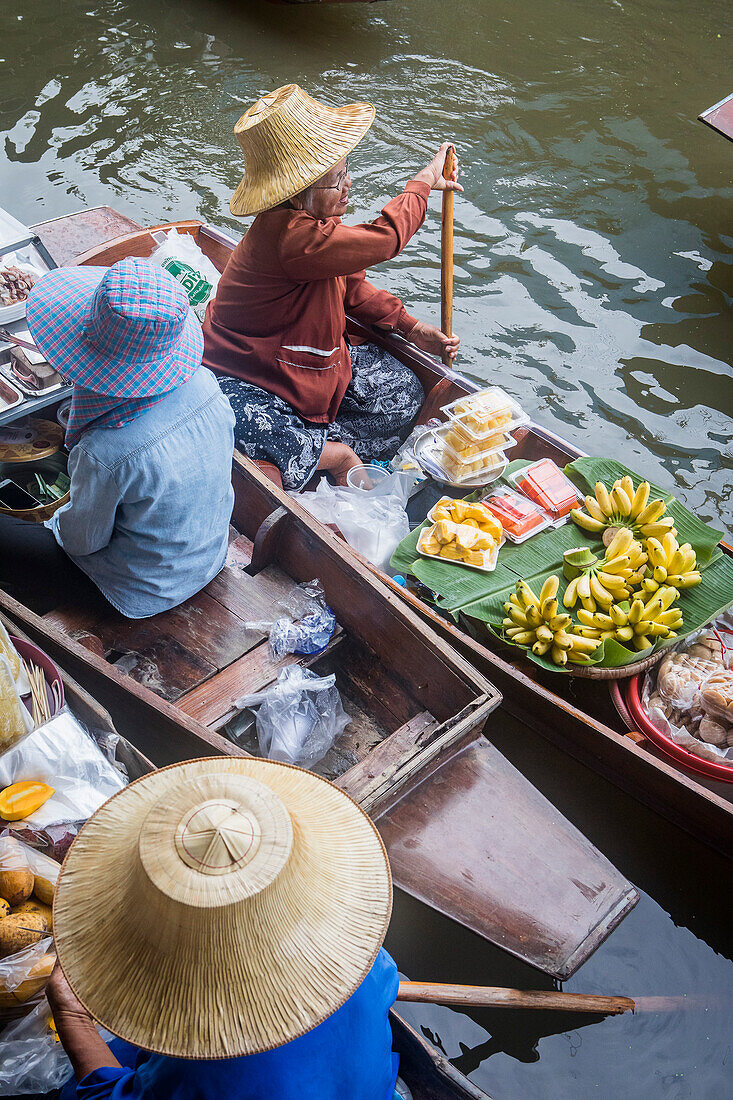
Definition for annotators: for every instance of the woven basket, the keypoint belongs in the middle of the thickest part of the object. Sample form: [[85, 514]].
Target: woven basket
[[53, 464]]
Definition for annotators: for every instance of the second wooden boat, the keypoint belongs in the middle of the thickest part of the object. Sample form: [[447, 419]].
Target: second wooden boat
[[462, 826], [426, 1071]]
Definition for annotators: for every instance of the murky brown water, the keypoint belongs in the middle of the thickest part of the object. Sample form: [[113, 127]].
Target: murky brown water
[[594, 251]]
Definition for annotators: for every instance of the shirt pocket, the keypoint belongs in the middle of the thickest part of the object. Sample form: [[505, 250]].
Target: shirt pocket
[[304, 357]]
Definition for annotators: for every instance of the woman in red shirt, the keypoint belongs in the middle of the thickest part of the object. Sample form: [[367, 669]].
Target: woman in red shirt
[[307, 397]]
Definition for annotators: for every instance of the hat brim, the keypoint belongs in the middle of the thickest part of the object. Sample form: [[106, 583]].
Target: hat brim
[[355, 120], [57, 313], [247, 975]]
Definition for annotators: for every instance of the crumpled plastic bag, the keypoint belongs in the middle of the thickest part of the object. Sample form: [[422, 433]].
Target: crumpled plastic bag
[[299, 717], [181, 256], [673, 693], [61, 753], [32, 1061], [307, 625], [373, 522]]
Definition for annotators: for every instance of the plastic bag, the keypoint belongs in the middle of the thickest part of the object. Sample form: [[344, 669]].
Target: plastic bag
[[15, 720], [308, 625], [62, 754], [14, 660], [299, 717], [17, 856], [679, 702], [23, 975], [32, 1060], [373, 522], [181, 256]]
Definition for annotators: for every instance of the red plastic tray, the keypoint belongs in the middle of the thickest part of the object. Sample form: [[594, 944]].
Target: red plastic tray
[[631, 697], [33, 653]]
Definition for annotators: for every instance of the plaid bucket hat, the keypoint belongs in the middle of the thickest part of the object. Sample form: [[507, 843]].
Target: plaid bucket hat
[[125, 332]]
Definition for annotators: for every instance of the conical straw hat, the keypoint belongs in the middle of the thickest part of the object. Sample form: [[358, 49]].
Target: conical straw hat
[[289, 141], [221, 907]]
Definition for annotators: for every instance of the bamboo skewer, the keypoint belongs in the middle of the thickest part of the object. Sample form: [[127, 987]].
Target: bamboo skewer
[[488, 996], [446, 254], [39, 698]]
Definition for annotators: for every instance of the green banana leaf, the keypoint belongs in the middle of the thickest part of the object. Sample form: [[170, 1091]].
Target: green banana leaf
[[479, 597]]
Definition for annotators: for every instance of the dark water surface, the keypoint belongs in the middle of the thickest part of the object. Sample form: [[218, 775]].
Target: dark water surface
[[594, 280]]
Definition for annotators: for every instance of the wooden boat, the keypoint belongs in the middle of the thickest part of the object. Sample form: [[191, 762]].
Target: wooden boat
[[719, 117], [457, 819], [428, 1073], [578, 716]]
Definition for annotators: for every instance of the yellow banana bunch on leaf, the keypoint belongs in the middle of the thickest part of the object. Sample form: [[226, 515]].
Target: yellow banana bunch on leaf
[[637, 623], [624, 506], [669, 564], [606, 580], [537, 623]]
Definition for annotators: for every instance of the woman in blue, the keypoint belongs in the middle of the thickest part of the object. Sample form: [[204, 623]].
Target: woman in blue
[[224, 917]]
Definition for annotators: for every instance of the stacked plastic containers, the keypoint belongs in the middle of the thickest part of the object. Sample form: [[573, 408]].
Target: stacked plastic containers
[[540, 495], [471, 447]]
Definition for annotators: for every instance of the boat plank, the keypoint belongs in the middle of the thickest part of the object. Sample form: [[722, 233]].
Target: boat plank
[[509, 847], [212, 702]]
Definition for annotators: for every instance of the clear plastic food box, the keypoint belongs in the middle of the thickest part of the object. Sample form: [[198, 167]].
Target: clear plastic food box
[[520, 517], [462, 466], [490, 556], [546, 485], [482, 414]]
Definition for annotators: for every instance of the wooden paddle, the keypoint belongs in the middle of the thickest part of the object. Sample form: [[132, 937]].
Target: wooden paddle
[[446, 254], [489, 996]]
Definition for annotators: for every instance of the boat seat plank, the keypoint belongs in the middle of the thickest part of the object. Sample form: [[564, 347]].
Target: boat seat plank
[[211, 702], [250, 598]]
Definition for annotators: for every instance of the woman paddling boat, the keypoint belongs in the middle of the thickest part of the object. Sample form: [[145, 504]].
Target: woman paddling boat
[[224, 917], [306, 395], [147, 523]]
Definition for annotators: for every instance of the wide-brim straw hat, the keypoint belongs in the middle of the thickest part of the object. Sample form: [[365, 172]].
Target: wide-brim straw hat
[[123, 331], [289, 140], [221, 907]]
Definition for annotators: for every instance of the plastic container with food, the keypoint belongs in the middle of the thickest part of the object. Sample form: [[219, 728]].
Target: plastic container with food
[[484, 413], [473, 462], [546, 484], [520, 517], [482, 560]]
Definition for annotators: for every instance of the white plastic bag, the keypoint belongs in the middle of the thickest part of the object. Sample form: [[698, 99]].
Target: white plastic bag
[[181, 256], [32, 1060], [373, 522], [62, 754], [299, 717]]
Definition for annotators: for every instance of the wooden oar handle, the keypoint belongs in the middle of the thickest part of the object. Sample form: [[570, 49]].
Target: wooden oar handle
[[489, 996], [446, 253]]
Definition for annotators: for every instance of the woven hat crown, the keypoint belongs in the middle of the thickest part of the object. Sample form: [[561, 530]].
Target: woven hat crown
[[138, 310], [289, 140]]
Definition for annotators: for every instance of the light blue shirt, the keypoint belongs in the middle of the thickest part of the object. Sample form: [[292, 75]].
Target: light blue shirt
[[148, 518]]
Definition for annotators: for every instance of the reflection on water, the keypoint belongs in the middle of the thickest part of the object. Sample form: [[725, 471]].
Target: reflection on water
[[593, 279], [593, 245]]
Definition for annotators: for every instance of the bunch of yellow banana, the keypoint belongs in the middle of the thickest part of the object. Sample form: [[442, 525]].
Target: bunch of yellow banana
[[637, 623], [624, 507], [669, 564], [607, 580], [537, 622]]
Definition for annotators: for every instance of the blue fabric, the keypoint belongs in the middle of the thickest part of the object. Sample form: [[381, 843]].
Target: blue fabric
[[347, 1057], [148, 518]]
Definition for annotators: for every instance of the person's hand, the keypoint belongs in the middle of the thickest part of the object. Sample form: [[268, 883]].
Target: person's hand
[[61, 998], [433, 173], [429, 338]]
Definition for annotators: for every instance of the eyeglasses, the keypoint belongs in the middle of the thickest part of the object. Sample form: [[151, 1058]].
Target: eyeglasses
[[339, 182]]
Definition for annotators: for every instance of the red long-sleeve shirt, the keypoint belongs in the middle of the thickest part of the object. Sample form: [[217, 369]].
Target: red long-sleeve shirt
[[279, 316]]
